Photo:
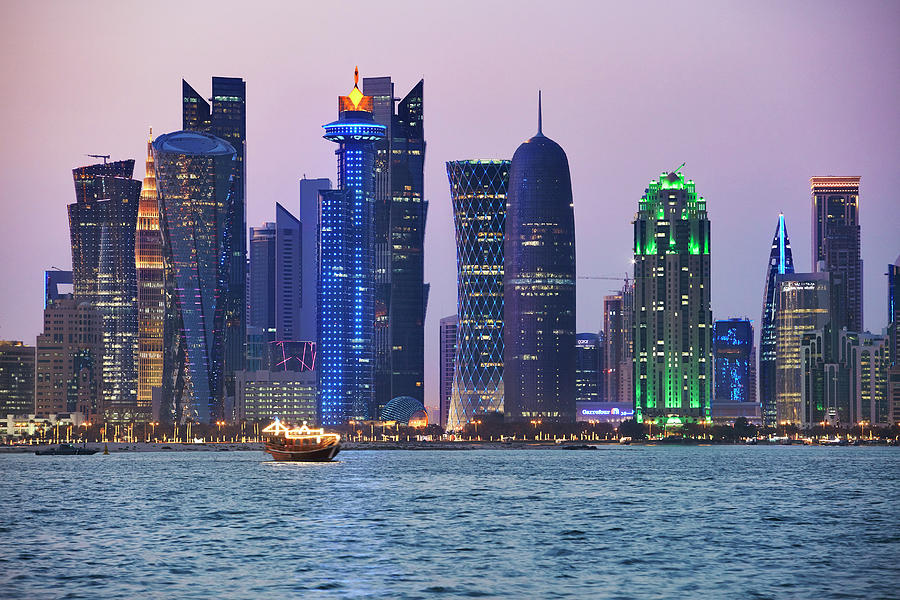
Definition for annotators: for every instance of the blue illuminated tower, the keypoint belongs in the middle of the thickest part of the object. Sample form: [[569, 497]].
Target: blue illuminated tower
[[781, 262], [346, 311]]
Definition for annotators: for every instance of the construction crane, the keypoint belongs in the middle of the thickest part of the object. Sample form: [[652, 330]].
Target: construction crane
[[105, 157], [626, 279]]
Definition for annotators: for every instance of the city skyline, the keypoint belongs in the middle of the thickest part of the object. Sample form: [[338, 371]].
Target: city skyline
[[756, 138]]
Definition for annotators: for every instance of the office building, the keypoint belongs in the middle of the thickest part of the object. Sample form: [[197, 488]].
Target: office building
[[309, 253], [226, 118], [275, 276], [347, 265], [478, 192], [447, 362], [103, 226], [587, 367], [265, 395], [57, 283], [836, 245], [893, 384], [804, 302], [734, 359], [618, 349], [539, 285], [150, 290], [261, 290], [781, 262], [194, 184], [399, 215], [69, 360], [16, 378], [673, 321]]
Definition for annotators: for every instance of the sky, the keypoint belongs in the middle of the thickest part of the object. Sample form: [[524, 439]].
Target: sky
[[755, 97]]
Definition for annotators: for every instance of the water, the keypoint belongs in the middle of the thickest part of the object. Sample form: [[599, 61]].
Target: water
[[618, 522]]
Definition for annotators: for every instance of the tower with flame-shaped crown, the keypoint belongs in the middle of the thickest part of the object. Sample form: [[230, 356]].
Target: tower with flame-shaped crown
[[347, 266], [150, 284]]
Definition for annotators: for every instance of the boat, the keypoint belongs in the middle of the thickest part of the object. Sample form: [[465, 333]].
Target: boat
[[65, 450], [301, 443]]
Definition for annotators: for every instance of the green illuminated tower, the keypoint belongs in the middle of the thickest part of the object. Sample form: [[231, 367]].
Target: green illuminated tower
[[672, 318]]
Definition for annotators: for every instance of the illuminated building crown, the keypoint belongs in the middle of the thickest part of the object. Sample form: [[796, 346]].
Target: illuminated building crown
[[355, 100]]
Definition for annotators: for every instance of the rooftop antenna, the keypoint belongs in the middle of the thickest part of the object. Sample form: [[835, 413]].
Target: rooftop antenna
[[540, 116], [105, 157], [679, 168]]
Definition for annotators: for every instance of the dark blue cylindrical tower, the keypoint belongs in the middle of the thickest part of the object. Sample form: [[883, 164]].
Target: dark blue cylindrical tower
[[539, 285]]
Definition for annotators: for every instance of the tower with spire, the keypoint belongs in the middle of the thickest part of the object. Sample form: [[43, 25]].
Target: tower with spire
[[781, 262], [150, 286], [539, 284], [346, 315]]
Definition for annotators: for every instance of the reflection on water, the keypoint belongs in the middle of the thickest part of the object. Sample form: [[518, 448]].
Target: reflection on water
[[620, 522]]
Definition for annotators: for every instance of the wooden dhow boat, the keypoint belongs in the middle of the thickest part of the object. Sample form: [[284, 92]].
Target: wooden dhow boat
[[301, 443]]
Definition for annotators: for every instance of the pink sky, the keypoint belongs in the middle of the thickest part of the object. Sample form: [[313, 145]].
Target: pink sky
[[756, 97]]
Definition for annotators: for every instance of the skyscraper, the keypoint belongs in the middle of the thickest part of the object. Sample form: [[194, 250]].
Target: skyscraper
[[69, 359], [309, 253], [539, 284], [275, 269], [447, 362], [103, 225], [347, 264], [587, 367], [734, 359], [478, 190], [673, 321], [16, 378], [226, 119], [53, 280], [781, 262], [893, 276], [150, 290], [195, 187], [804, 302], [836, 244], [399, 214], [618, 347]]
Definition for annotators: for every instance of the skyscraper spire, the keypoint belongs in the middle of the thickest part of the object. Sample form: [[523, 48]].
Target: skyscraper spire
[[540, 115]]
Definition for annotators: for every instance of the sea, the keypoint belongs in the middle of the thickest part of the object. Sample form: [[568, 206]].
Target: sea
[[616, 522]]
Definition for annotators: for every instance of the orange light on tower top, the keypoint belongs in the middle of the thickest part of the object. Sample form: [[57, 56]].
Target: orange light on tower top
[[355, 100]]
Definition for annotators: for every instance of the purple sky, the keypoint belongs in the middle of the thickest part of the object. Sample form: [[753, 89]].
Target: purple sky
[[756, 97]]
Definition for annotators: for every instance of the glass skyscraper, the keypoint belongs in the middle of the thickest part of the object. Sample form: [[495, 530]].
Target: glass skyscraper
[[478, 191], [734, 356], [539, 285], [836, 245], [226, 118], [893, 298], [103, 225], [447, 360], [195, 187], [275, 266], [672, 317], [587, 367], [150, 289], [347, 265], [781, 262], [399, 214]]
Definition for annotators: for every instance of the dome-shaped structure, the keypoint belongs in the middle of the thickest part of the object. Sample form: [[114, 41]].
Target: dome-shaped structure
[[401, 409]]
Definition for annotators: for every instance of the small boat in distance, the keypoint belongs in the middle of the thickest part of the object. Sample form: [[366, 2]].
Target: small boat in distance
[[301, 443], [65, 450]]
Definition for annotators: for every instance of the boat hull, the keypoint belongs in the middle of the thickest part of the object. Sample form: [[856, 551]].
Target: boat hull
[[286, 453]]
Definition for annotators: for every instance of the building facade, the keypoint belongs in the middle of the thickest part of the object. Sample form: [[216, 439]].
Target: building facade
[[226, 118], [673, 366], [195, 184], [734, 361], [56, 283], [781, 262], [893, 277], [265, 395], [587, 367], [804, 303], [447, 364], [347, 265], [69, 360], [478, 192], [261, 292], [836, 244], [103, 225], [16, 378], [150, 290], [618, 349], [309, 253], [275, 276], [400, 213], [539, 285]]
